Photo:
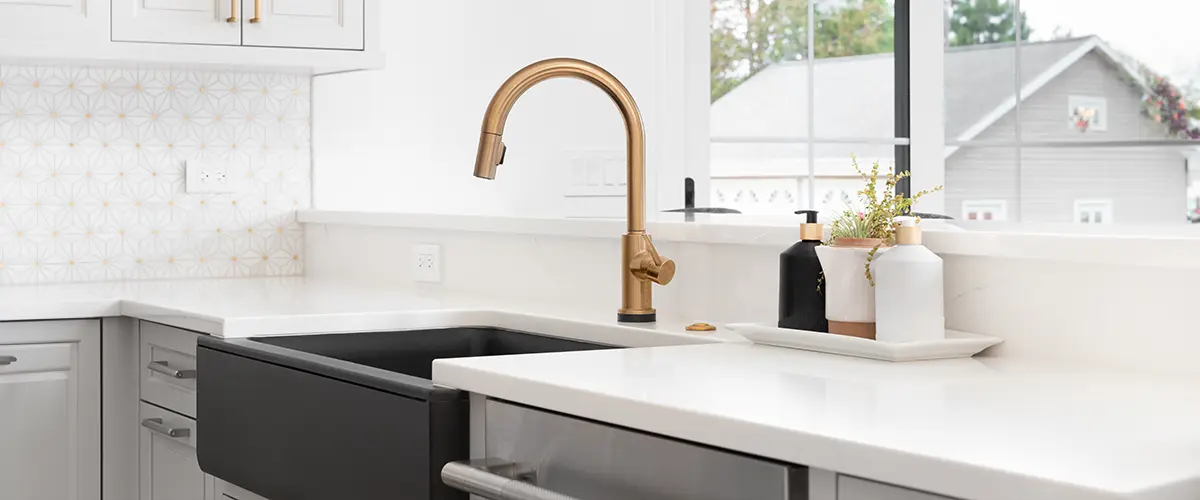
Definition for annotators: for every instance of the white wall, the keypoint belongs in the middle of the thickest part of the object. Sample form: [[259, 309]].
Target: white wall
[[404, 139], [1118, 316]]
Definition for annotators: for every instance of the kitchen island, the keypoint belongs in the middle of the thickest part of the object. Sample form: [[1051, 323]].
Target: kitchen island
[[975, 429]]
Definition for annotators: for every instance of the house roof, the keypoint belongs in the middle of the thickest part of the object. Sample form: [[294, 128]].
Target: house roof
[[854, 96]]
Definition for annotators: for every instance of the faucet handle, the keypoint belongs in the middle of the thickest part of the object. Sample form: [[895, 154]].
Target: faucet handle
[[649, 265]]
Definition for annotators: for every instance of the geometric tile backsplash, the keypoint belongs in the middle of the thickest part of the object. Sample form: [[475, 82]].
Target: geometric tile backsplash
[[92, 173]]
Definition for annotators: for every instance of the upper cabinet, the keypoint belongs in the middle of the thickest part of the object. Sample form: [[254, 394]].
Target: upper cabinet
[[305, 24], [211, 22], [318, 24], [314, 36], [53, 20]]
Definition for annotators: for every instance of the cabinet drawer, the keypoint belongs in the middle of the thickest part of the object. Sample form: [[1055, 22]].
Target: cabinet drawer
[[169, 469], [33, 358], [853, 488], [168, 361], [584, 459]]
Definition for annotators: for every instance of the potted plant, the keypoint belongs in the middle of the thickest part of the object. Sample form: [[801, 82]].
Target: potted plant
[[855, 238]]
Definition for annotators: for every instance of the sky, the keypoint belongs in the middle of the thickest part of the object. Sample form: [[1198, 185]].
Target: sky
[[1161, 33]]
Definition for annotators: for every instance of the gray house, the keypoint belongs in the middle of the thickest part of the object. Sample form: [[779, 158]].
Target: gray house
[[1071, 90]]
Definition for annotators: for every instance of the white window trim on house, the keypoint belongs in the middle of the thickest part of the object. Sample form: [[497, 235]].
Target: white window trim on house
[[1103, 207], [1099, 104], [998, 209]]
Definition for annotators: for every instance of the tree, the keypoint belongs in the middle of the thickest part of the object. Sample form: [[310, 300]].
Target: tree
[[976, 22], [1167, 105], [749, 35], [862, 28]]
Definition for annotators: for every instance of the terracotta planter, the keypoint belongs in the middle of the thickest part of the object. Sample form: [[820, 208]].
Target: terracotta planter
[[849, 296]]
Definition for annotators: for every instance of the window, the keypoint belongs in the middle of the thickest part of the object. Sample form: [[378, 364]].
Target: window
[[1094, 211], [1087, 113], [988, 210], [797, 89], [1082, 104], [1045, 102]]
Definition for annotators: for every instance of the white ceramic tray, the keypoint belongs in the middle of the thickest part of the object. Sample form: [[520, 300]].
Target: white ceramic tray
[[956, 345]]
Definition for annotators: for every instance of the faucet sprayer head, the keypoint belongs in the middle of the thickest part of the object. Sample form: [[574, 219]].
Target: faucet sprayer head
[[491, 155]]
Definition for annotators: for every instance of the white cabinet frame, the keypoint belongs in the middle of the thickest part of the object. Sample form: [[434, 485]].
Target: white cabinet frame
[[95, 45]]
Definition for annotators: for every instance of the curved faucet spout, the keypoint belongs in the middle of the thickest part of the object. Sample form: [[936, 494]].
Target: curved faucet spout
[[640, 262], [491, 144]]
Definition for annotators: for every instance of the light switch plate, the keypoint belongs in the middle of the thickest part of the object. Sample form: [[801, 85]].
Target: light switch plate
[[427, 263], [208, 177]]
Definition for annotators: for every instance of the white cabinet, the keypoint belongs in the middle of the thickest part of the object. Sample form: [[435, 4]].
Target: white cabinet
[[322, 24], [50, 410], [168, 359], [211, 22], [168, 466], [55, 21], [853, 488], [314, 24], [314, 36]]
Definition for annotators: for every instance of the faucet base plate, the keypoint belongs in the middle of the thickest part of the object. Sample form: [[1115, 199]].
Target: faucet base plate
[[637, 318]]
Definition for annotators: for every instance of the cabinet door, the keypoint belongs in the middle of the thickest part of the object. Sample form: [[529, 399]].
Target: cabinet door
[[63, 22], [211, 22], [169, 469], [318, 24], [49, 411]]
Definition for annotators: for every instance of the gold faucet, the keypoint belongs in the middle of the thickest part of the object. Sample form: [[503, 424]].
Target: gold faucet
[[640, 262]]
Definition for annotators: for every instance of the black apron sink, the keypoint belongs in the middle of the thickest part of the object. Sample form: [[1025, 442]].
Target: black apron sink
[[349, 416]]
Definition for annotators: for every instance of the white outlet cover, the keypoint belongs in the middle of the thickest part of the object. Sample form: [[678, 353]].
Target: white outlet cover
[[208, 177], [427, 263]]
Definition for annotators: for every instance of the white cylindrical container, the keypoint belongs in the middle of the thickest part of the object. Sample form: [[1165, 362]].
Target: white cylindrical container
[[849, 297], [909, 302]]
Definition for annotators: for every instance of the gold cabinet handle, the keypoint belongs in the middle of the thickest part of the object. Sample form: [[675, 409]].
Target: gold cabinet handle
[[233, 8], [257, 12]]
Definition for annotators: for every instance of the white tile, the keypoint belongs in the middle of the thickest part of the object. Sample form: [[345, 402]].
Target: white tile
[[91, 164]]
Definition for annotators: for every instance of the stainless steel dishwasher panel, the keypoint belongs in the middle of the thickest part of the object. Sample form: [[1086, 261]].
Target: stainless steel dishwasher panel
[[586, 460]]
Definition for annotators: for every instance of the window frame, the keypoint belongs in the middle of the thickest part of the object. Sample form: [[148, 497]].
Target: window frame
[[1100, 103], [999, 212], [924, 33], [936, 166], [901, 139], [1104, 206]]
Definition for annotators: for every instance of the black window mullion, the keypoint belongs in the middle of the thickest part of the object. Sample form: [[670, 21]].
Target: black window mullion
[[903, 101]]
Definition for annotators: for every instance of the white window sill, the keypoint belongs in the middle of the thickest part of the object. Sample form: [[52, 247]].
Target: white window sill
[[1171, 248]]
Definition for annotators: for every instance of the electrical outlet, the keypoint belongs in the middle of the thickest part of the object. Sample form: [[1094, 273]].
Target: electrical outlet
[[208, 177], [427, 263]]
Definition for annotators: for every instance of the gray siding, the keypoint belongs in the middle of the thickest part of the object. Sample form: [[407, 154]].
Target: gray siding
[[1147, 185]]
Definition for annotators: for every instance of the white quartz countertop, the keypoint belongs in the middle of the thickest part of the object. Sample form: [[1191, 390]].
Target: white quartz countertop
[[235, 308], [977, 429]]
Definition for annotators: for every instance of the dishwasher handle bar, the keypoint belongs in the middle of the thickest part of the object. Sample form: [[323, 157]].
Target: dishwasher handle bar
[[495, 479]]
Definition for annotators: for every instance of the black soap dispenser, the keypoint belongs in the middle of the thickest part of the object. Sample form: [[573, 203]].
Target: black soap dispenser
[[801, 285]]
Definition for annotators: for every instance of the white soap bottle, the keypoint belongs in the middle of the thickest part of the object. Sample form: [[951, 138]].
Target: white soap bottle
[[908, 289]]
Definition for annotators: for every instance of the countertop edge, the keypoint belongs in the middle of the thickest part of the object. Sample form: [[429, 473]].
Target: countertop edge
[[931, 474]]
